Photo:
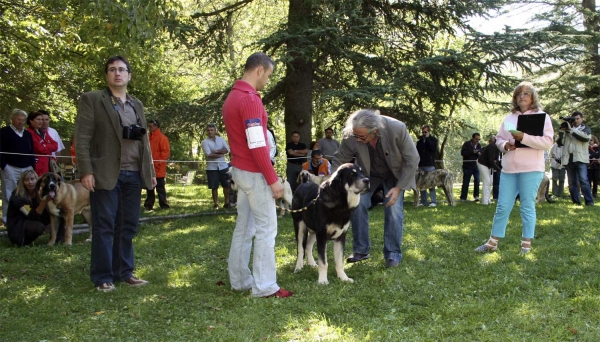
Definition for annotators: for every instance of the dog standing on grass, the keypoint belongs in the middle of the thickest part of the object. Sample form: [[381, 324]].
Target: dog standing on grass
[[429, 179], [68, 199], [325, 212]]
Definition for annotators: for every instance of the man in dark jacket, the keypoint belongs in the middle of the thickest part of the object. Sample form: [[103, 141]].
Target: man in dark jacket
[[427, 146], [470, 151], [487, 163]]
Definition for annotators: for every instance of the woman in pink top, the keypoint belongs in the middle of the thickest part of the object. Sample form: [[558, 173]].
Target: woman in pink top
[[522, 168]]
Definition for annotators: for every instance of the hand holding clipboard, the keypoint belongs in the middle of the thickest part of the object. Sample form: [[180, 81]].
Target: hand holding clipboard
[[532, 124]]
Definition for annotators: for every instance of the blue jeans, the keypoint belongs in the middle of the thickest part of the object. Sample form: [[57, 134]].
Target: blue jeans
[[431, 191], [525, 185], [256, 222], [467, 173], [115, 217], [392, 226], [577, 175]]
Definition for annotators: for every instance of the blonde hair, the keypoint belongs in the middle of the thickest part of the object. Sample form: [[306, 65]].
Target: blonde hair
[[535, 100], [21, 189]]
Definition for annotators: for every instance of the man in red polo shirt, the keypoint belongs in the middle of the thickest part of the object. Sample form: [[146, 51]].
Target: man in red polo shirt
[[245, 121]]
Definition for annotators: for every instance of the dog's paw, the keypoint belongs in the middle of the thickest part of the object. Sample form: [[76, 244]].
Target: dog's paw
[[312, 263], [88, 240], [350, 280], [323, 281]]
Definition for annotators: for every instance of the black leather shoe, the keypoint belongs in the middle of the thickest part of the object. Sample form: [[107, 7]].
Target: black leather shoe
[[392, 263], [356, 257]]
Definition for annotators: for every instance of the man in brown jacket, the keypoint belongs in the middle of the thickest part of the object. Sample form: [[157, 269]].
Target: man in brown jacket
[[114, 163]]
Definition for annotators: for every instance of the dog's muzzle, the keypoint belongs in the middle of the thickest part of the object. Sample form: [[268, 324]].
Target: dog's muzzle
[[366, 185]]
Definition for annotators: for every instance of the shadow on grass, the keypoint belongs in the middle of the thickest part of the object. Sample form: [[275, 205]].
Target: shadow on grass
[[443, 290]]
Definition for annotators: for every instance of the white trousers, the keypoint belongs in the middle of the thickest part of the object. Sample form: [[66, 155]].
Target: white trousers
[[486, 178], [257, 219]]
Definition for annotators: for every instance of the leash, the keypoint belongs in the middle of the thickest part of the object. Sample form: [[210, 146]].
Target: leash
[[301, 209]]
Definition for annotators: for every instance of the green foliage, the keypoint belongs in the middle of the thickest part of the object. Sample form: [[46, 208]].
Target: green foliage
[[442, 290]]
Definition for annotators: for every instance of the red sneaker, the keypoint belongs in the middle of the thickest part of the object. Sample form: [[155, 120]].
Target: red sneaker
[[281, 293]]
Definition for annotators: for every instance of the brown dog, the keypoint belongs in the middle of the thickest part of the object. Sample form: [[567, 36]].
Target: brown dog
[[68, 199]]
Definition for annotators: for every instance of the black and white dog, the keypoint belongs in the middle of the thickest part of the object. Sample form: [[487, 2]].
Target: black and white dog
[[325, 211]]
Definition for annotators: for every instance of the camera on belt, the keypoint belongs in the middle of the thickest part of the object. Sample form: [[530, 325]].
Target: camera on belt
[[134, 132]]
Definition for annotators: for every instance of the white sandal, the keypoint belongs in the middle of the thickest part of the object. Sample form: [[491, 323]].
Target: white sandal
[[525, 247], [488, 247]]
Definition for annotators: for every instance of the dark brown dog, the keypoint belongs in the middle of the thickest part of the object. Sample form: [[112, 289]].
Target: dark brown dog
[[68, 199], [429, 179]]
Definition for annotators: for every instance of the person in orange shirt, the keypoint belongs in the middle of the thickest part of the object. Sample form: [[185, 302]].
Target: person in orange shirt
[[317, 165], [159, 145]]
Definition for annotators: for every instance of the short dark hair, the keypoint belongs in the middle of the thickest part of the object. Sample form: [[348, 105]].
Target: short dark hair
[[154, 121], [577, 113], [316, 153], [294, 132], [475, 134], [259, 59], [32, 116], [329, 129], [113, 59], [43, 111]]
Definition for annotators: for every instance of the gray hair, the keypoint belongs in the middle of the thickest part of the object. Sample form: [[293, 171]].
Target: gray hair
[[16, 112], [364, 118]]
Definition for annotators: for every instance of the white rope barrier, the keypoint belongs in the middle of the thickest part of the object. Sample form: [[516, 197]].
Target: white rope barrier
[[214, 161]]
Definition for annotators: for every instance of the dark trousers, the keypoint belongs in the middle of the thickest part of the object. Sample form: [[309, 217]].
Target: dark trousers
[[467, 173], [495, 184], [594, 178], [31, 231], [162, 195], [292, 173], [115, 217]]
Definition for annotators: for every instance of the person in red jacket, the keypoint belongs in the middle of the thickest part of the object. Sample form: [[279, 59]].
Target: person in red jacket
[[43, 144], [245, 121], [159, 145]]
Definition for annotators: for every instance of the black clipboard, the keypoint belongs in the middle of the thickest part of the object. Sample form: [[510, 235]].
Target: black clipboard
[[532, 124]]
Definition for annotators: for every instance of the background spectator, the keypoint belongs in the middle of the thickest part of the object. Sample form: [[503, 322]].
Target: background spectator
[[53, 133], [317, 165], [27, 215], [575, 155], [296, 156], [328, 145], [427, 146], [159, 145], [558, 170], [470, 151], [487, 163], [594, 169], [215, 148], [43, 144], [16, 145]]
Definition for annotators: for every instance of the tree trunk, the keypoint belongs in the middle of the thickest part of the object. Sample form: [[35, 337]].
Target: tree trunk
[[299, 74]]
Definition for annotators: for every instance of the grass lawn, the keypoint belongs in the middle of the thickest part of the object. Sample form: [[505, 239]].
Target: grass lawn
[[442, 291]]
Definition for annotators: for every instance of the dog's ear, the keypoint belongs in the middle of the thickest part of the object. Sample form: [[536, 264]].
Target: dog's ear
[[38, 184]]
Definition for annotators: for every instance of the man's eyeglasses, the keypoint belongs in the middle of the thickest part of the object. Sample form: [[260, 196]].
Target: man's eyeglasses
[[121, 70], [361, 137], [523, 94]]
